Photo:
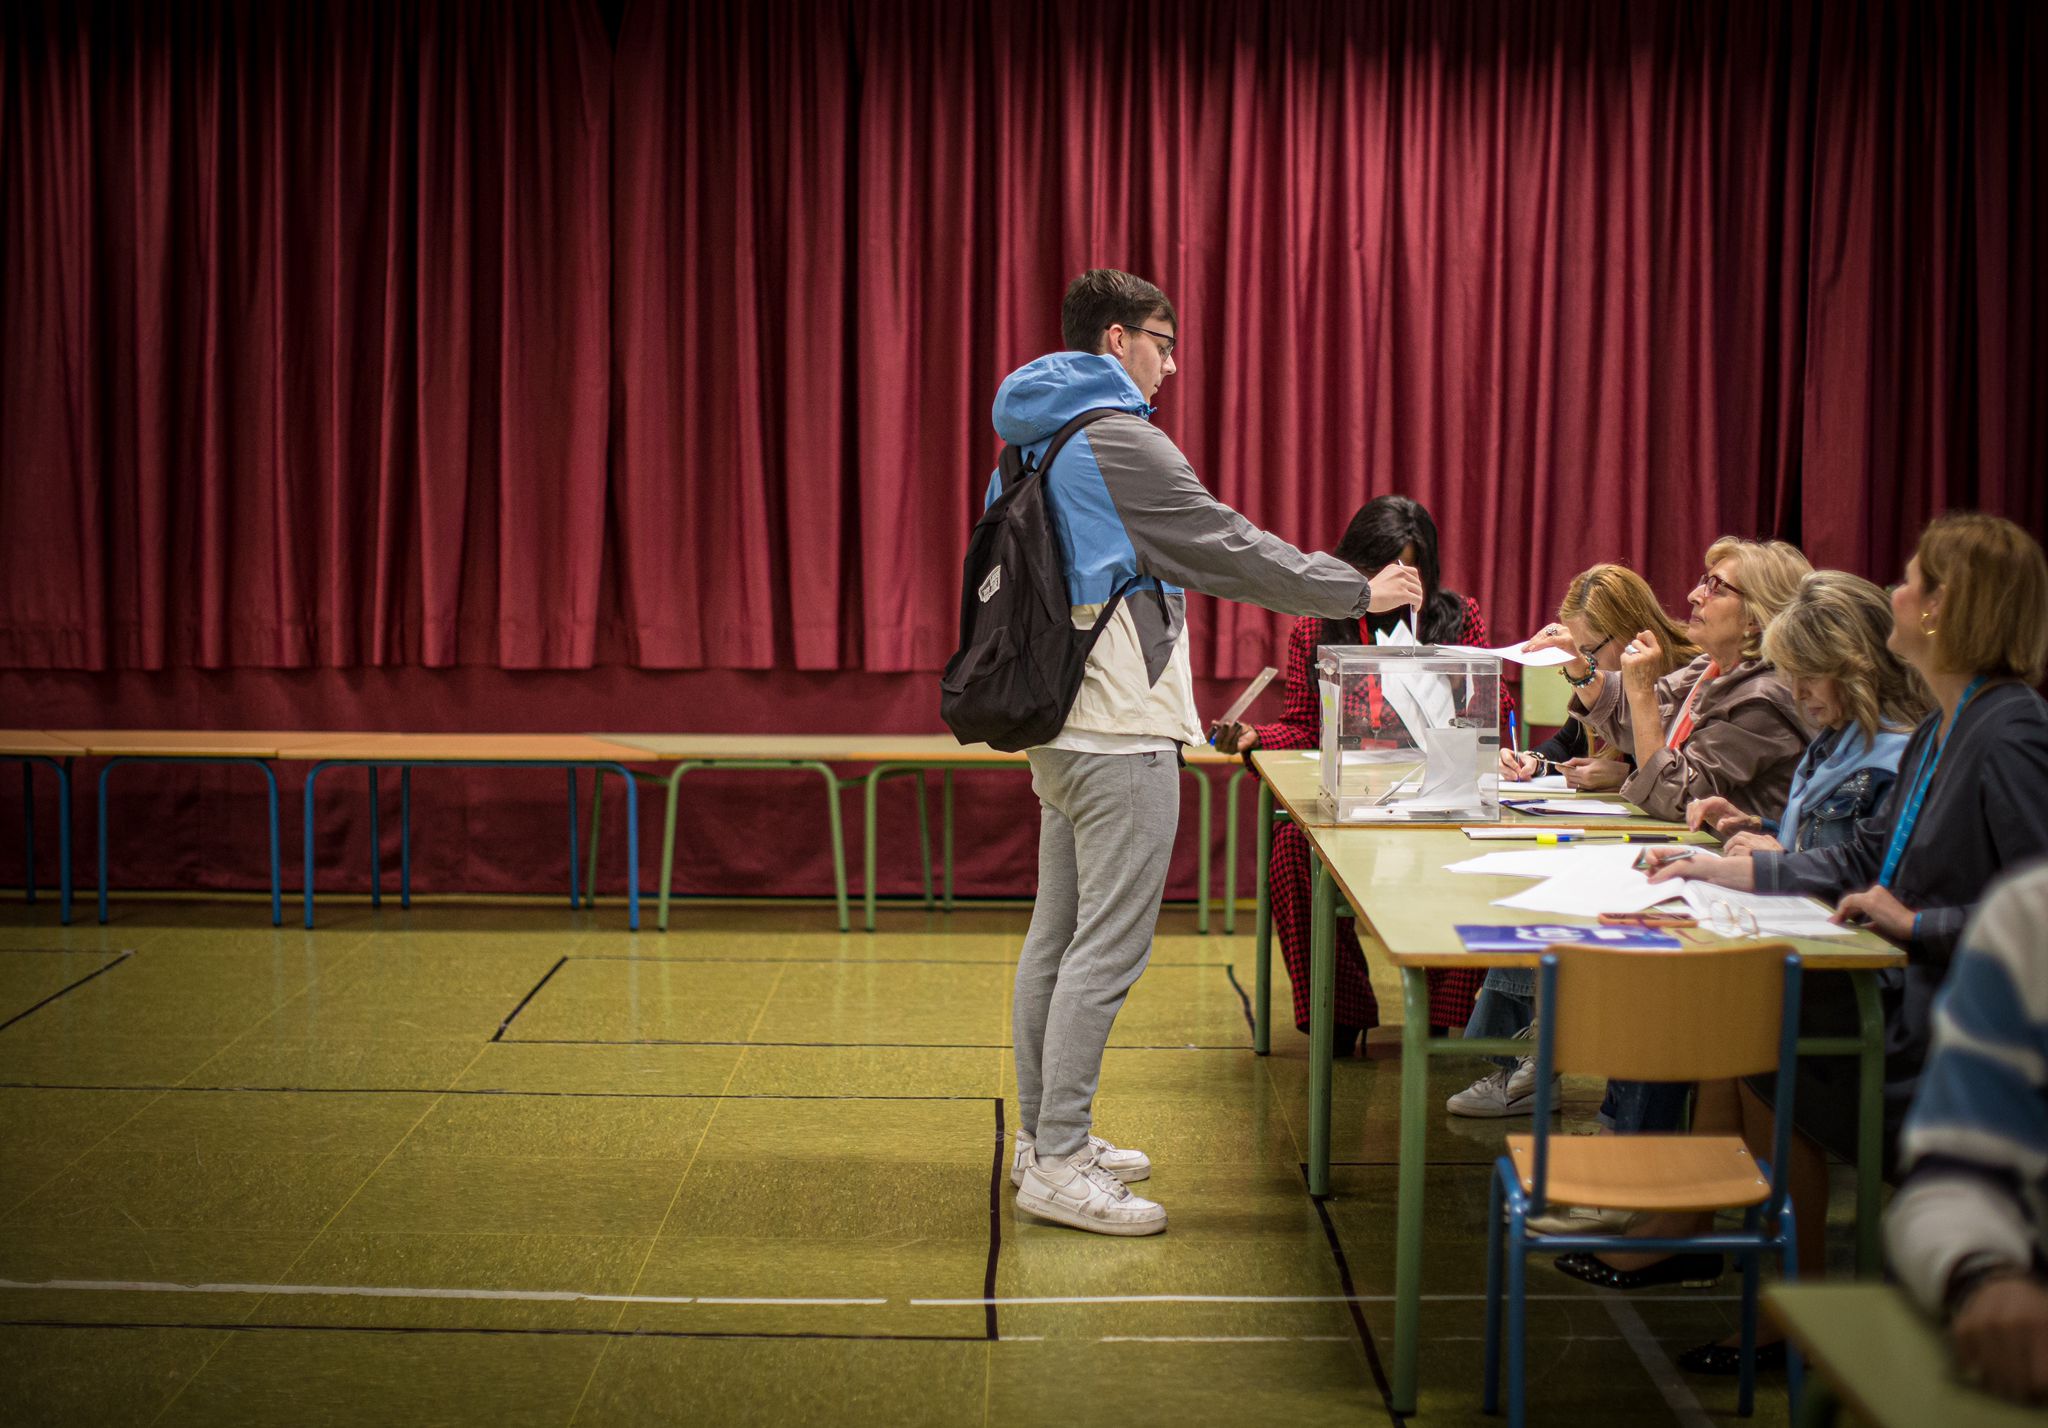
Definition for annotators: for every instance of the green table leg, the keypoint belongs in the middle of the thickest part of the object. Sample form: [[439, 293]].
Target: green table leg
[[1818, 1408], [1408, 1211], [668, 843], [869, 839], [1230, 852], [1262, 927], [946, 843], [924, 839], [1322, 1032], [838, 839], [1204, 825], [1869, 1125]]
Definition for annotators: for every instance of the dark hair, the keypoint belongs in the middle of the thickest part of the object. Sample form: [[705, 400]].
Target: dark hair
[[1101, 297], [1382, 529]]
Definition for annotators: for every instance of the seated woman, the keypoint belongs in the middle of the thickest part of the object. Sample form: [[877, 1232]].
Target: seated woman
[[1725, 724], [1601, 612], [1385, 529], [1970, 801], [1830, 646]]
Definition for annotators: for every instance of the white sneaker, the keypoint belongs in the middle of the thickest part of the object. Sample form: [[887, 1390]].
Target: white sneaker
[[1079, 1192], [1126, 1165], [1506, 1093]]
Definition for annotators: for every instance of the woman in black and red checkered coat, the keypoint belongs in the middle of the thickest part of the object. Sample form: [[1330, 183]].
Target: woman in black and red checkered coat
[[1386, 528]]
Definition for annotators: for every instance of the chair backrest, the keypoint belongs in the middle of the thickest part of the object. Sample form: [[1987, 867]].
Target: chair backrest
[[1705, 1014], [1546, 699]]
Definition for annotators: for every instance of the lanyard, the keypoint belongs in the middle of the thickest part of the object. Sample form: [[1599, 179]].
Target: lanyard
[[1902, 829], [1681, 727]]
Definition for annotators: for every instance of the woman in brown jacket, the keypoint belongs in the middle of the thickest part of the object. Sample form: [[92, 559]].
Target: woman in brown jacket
[[1723, 725]]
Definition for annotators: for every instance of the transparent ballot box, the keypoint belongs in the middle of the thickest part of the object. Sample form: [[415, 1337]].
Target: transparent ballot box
[[1411, 734]]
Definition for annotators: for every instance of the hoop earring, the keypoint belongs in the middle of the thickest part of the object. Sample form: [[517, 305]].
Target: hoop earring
[[1925, 627]]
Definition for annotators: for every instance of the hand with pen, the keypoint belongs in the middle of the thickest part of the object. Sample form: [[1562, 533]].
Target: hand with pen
[[1233, 738], [1586, 775]]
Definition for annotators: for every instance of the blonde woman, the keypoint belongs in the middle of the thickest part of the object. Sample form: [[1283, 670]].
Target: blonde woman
[[1724, 724], [1601, 612], [1829, 646]]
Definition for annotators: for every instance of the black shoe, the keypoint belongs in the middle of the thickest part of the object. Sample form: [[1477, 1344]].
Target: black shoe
[[1725, 1360], [1693, 1271], [1345, 1043]]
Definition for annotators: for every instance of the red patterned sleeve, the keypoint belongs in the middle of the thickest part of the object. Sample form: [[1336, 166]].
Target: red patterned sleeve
[[1473, 632], [1300, 725]]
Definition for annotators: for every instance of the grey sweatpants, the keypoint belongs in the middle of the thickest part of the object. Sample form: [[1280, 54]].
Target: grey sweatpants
[[1105, 838]]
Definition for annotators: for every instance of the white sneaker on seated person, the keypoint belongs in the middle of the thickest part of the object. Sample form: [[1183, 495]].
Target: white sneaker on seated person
[[1075, 1190], [1126, 1165], [1505, 1093]]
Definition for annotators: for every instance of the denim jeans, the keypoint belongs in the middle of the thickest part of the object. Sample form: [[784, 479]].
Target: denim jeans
[[1506, 1005], [1634, 1107]]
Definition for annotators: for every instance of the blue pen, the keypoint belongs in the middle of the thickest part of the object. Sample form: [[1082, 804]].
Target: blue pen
[[1514, 733]]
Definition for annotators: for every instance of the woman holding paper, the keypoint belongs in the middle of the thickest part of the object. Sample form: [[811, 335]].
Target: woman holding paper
[[1385, 529], [1970, 801], [1602, 609]]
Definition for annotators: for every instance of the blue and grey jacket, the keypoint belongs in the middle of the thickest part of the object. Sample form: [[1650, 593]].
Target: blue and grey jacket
[[1975, 1145], [1126, 503]]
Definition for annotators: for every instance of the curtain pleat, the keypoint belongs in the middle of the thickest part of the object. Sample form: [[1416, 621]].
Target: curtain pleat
[[466, 333]]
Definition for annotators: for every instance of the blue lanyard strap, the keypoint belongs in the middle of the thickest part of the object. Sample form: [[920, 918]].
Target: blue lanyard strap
[[1909, 814]]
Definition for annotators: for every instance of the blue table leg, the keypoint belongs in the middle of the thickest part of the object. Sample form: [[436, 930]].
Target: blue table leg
[[405, 835], [575, 896], [103, 838], [276, 865], [376, 846], [64, 840], [28, 818]]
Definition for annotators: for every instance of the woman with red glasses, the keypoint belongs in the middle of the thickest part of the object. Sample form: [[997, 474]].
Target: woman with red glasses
[[1725, 725]]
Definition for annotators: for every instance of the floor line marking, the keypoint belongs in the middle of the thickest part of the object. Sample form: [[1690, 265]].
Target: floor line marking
[[571, 1296], [1678, 1394]]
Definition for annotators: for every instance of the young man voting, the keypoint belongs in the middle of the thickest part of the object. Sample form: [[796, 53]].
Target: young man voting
[[1125, 504]]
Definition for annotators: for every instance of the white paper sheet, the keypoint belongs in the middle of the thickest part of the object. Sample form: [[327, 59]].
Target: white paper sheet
[[1777, 915], [1548, 783], [1597, 860], [1423, 701], [1589, 895], [1516, 833], [1541, 659], [1583, 807]]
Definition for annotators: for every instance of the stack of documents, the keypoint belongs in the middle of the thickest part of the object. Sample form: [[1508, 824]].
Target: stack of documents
[[1776, 914]]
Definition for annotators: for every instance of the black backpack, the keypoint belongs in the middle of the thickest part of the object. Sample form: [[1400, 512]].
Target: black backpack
[[1020, 660]]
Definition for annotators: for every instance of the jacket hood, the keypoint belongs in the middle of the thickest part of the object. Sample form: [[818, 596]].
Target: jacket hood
[[1045, 394], [1851, 752]]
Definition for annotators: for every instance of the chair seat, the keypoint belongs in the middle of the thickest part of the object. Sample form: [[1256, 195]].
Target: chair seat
[[1645, 1172]]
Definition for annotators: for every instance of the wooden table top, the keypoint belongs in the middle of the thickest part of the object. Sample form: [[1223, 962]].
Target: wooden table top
[[844, 748], [1884, 1359], [1396, 881], [455, 748], [1296, 779], [191, 743], [38, 742]]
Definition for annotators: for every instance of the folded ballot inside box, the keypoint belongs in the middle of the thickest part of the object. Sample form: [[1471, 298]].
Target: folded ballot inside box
[[1411, 734]]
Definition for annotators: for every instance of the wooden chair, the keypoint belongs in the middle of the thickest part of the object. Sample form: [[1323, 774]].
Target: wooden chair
[[1700, 1015]]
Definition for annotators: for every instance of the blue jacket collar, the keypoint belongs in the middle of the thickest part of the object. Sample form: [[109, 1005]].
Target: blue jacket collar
[[1046, 393]]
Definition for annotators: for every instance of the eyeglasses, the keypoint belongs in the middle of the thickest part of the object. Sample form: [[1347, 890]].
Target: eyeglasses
[[1592, 652], [1166, 343], [1731, 921], [1714, 585]]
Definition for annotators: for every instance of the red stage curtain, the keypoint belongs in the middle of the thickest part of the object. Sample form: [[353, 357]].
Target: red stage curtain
[[305, 330], [466, 333]]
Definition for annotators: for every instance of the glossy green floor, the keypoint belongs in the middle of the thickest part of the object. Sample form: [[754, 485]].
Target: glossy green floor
[[512, 1165]]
